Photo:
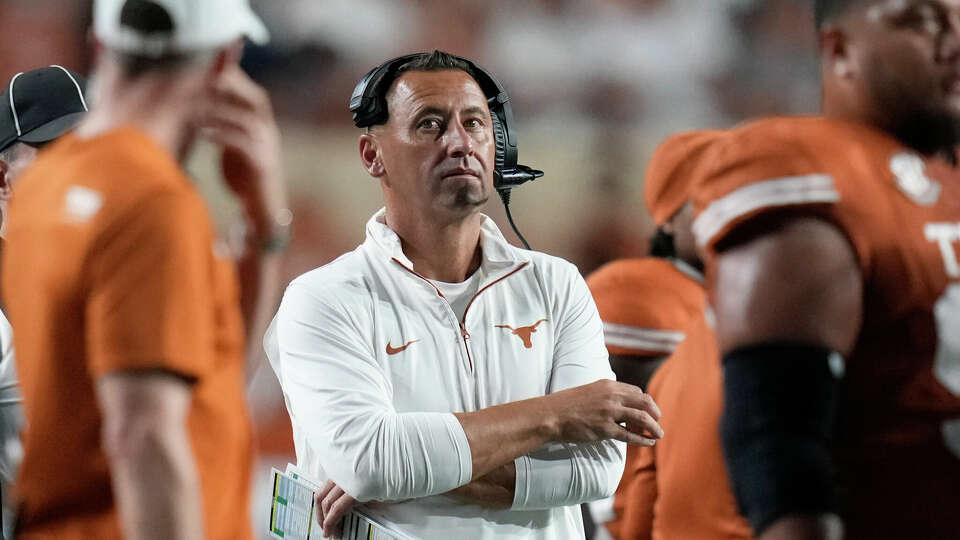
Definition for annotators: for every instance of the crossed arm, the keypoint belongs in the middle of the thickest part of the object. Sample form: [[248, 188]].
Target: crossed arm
[[489, 456]]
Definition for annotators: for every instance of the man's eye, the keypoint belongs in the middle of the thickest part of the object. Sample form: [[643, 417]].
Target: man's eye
[[429, 123], [473, 123], [926, 19]]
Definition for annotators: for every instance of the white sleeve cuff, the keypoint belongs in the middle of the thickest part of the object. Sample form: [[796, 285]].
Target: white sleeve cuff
[[564, 474], [462, 447]]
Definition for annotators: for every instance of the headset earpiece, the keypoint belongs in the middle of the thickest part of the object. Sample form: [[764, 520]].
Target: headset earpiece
[[500, 143]]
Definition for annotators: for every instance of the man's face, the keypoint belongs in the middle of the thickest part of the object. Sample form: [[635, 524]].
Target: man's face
[[23, 156], [909, 58], [437, 148]]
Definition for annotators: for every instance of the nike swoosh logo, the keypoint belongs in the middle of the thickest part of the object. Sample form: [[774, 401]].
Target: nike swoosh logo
[[392, 351]]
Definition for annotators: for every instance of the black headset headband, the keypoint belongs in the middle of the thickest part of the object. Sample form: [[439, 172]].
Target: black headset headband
[[369, 107]]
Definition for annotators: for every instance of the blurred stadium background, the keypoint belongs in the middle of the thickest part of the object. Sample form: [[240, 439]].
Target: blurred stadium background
[[596, 85]]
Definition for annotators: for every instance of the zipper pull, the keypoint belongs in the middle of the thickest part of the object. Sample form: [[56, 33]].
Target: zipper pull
[[463, 331]]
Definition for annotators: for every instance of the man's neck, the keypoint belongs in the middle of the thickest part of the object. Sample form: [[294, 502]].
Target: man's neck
[[448, 252], [148, 106], [930, 136]]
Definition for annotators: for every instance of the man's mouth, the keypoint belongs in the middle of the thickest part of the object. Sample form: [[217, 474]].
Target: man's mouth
[[461, 172]]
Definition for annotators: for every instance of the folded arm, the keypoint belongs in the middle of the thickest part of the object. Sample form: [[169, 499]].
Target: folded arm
[[376, 453]]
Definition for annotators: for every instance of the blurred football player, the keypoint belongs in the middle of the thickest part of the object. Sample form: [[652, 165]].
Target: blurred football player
[[833, 271]]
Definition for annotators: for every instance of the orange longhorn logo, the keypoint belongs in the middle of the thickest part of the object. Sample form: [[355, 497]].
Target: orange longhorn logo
[[524, 332]]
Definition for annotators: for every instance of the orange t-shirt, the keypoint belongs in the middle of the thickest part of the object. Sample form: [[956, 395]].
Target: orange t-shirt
[[109, 266], [679, 488], [897, 446]]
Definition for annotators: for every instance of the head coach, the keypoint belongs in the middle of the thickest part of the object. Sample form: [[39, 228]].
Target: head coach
[[437, 368]]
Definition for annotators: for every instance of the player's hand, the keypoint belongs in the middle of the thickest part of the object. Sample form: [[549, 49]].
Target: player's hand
[[239, 119], [595, 411], [333, 504]]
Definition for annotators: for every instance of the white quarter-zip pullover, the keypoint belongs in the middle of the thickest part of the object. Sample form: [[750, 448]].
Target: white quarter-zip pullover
[[373, 362]]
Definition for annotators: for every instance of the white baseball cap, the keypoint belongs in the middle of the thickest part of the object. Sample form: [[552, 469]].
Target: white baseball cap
[[156, 28]]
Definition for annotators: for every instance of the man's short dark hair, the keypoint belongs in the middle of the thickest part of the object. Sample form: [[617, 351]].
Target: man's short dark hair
[[825, 11], [134, 66], [435, 61]]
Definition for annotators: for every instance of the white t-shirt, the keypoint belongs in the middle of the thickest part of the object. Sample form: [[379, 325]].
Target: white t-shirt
[[458, 295]]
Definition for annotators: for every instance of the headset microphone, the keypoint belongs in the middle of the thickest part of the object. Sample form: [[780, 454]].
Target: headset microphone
[[509, 180], [369, 107]]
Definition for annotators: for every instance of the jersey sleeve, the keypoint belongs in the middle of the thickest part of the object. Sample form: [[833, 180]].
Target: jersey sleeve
[[150, 304], [644, 304], [753, 173]]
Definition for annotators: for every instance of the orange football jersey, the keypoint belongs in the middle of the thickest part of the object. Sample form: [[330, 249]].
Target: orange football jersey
[[645, 304], [679, 488], [897, 446]]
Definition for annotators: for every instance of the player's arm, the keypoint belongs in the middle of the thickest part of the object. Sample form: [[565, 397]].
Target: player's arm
[[788, 301], [149, 330], [240, 120], [636, 499], [148, 449]]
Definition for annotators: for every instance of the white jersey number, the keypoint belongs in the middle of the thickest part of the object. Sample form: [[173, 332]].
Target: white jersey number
[[946, 365]]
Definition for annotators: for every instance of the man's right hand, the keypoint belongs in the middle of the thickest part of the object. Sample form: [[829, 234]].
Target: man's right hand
[[332, 503], [597, 411]]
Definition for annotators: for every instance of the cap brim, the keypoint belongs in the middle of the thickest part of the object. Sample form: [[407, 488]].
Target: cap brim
[[254, 28], [52, 129]]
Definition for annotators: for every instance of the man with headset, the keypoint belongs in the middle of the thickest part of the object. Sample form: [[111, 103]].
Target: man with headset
[[436, 366]]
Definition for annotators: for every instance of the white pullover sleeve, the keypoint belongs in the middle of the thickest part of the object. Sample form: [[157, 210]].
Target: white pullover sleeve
[[340, 399], [564, 474]]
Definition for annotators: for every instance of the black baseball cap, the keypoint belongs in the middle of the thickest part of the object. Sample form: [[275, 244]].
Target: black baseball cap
[[40, 105]]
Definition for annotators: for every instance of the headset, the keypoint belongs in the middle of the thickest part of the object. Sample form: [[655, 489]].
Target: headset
[[368, 103]]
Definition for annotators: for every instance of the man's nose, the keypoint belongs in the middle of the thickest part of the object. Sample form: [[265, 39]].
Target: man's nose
[[458, 140], [950, 44]]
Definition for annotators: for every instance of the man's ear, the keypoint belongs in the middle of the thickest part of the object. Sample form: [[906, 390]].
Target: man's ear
[[5, 188], [370, 156], [836, 52]]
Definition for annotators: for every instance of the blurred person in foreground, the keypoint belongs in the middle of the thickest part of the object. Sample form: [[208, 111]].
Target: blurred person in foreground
[[662, 495], [833, 271], [36, 107], [438, 366], [129, 328]]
